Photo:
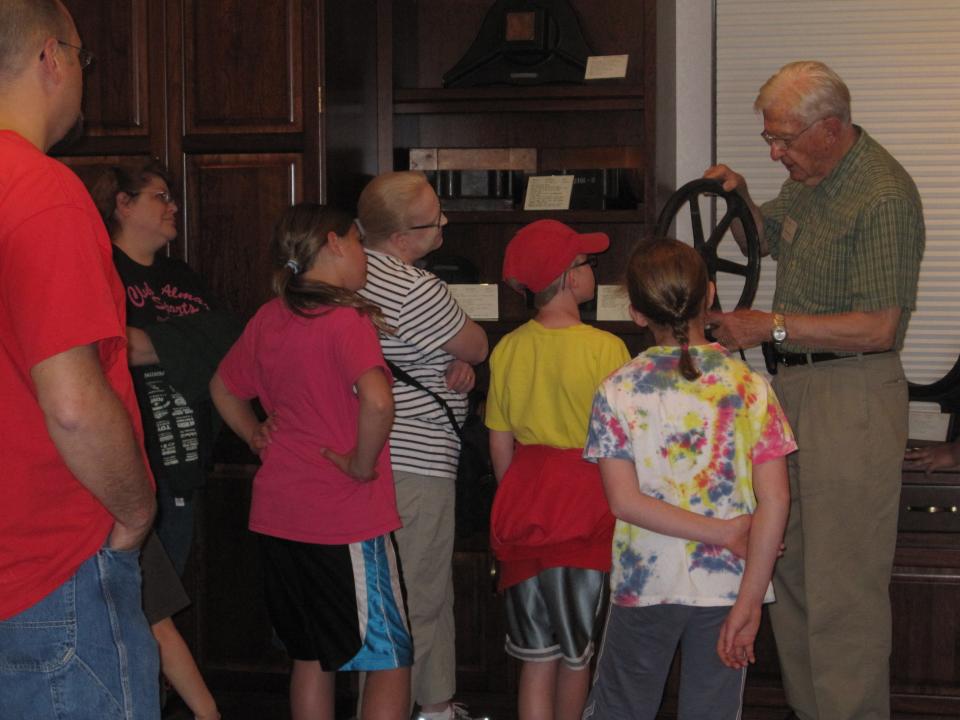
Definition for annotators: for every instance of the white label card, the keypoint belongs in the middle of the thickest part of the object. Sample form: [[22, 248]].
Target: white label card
[[480, 302], [548, 192], [602, 67], [927, 422], [612, 303]]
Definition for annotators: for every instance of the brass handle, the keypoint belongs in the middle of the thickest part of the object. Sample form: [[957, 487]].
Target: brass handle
[[931, 509]]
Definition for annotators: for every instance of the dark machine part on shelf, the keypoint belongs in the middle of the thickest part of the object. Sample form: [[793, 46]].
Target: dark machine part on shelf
[[478, 189], [452, 269], [603, 189], [476, 178], [524, 42]]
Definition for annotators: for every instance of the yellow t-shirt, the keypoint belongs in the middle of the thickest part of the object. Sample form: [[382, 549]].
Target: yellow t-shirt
[[542, 381]]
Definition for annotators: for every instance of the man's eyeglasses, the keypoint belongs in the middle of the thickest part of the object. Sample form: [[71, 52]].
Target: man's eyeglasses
[[161, 195], [84, 56], [784, 143], [437, 224]]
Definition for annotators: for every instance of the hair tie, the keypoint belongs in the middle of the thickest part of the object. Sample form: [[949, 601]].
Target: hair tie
[[294, 266], [685, 347]]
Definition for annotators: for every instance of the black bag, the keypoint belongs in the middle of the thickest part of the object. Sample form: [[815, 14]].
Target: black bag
[[475, 484]]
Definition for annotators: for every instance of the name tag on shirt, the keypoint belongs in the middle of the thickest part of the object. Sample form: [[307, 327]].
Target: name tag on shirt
[[789, 229]]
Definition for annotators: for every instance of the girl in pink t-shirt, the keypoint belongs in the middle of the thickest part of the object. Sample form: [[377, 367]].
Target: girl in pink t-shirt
[[323, 501]]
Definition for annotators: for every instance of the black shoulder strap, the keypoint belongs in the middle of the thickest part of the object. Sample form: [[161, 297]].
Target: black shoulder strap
[[405, 377]]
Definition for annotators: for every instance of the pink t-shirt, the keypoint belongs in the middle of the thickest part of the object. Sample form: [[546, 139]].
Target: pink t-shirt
[[58, 290], [304, 371]]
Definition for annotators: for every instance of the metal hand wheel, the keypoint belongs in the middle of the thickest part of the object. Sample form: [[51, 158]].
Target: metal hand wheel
[[706, 245]]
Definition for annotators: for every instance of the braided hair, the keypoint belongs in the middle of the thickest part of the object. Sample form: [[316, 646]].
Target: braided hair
[[667, 282]]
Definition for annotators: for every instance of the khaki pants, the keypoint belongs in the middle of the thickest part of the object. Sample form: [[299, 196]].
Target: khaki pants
[[425, 544], [831, 619]]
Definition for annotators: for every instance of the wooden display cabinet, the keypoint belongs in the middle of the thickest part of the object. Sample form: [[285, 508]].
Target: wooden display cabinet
[[430, 36], [925, 593]]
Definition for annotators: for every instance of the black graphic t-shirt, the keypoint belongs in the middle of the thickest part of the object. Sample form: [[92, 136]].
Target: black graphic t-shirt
[[166, 292], [156, 293]]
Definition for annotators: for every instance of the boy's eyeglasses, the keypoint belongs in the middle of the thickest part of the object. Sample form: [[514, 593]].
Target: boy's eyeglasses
[[591, 261], [84, 56]]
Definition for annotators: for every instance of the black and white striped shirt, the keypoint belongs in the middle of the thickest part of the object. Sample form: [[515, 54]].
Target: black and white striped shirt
[[421, 309]]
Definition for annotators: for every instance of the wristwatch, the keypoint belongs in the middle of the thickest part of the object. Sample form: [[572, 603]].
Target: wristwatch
[[779, 330]]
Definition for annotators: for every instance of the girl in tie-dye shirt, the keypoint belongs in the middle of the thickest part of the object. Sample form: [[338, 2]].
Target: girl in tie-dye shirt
[[691, 445]]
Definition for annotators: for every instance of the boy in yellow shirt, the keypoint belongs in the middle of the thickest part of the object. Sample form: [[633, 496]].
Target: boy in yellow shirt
[[551, 527]]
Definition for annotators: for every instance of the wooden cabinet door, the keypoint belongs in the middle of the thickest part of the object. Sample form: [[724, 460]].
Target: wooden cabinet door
[[123, 97], [117, 92], [232, 203], [243, 66], [482, 664]]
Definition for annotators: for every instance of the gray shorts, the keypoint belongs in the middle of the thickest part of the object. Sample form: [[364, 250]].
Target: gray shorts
[[636, 654], [554, 615]]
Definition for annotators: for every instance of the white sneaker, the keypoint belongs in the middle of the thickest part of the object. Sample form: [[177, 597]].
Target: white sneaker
[[454, 711]]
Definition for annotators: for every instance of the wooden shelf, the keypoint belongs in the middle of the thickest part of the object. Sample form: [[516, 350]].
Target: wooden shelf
[[501, 99], [522, 217], [617, 327]]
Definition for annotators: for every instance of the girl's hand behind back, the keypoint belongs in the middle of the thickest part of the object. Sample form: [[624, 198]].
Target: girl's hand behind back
[[263, 434], [738, 533], [348, 463]]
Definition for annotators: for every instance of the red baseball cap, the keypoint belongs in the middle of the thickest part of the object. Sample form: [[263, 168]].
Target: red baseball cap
[[540, 252]]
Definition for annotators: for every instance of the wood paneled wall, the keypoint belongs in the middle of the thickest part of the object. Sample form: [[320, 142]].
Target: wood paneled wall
[[225, 93]]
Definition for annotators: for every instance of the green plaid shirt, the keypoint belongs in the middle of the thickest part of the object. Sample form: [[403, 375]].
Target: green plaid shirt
[[851, 243]]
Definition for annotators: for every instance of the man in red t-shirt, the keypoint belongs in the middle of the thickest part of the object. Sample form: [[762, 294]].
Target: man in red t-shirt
[[76, 498]]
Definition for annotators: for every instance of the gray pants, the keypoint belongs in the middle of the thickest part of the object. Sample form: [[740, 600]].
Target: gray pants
[[636, 654]]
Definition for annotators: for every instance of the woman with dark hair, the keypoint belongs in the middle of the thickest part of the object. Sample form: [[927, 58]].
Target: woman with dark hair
[[176, 336]]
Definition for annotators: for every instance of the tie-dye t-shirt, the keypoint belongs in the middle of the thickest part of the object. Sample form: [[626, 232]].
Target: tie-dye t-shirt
[[694, 445]]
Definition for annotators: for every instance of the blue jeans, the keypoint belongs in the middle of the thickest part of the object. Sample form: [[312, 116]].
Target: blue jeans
[[174, 524], [85, 651]]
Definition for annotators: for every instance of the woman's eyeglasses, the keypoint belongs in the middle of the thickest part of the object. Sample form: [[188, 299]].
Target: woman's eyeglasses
[[437, 224], [162, 195]]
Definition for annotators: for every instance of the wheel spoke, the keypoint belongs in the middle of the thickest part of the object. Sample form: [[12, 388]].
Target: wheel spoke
[[732, 268], [721, 229], [696, 221]]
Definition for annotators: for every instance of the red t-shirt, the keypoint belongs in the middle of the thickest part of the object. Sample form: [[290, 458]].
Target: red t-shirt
[[304, 370], [58, 290]]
